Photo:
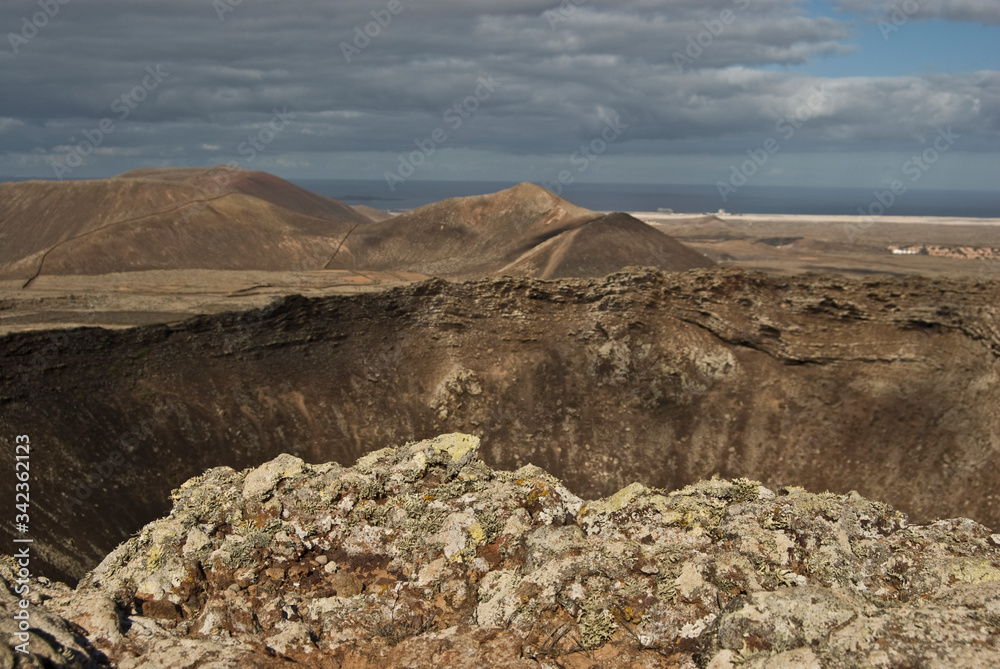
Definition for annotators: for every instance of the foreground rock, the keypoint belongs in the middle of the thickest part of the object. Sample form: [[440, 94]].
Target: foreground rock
[[423, 555]]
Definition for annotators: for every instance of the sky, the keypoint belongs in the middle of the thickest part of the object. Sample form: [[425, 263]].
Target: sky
[[842, 93]]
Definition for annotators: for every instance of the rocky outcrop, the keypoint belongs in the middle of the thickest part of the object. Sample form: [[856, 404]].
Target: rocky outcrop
[[423, 555]]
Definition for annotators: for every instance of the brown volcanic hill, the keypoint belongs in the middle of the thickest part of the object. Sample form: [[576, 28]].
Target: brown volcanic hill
[[260, 185], [603, 246], [524, 230], [168, 219], [230, 219], [887, 387]]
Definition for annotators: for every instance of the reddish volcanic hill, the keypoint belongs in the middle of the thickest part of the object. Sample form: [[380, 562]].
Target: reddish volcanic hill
[[231, 219], [523, 231], [168, 219], [260, 185]]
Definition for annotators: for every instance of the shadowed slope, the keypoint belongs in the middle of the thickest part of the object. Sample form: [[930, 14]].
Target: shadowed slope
[[664, 378]]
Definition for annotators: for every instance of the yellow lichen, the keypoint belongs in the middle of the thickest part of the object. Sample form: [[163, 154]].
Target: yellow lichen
[[365, 463], [620, 499], [153, 557], [456, 445], [974, 571], [476, 532]]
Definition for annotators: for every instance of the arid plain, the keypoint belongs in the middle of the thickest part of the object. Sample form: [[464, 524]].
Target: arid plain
[[777, 244], [849, 245]]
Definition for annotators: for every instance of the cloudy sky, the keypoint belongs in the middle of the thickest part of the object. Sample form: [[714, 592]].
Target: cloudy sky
[[832, 93]]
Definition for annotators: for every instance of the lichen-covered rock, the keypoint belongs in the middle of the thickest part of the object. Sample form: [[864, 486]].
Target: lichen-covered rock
[[422, 555]]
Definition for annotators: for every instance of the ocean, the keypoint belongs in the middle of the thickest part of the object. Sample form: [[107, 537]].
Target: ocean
[[694, 199], [679, 198]]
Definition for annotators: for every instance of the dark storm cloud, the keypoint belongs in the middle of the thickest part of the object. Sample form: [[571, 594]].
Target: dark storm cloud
[[683, 74]]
